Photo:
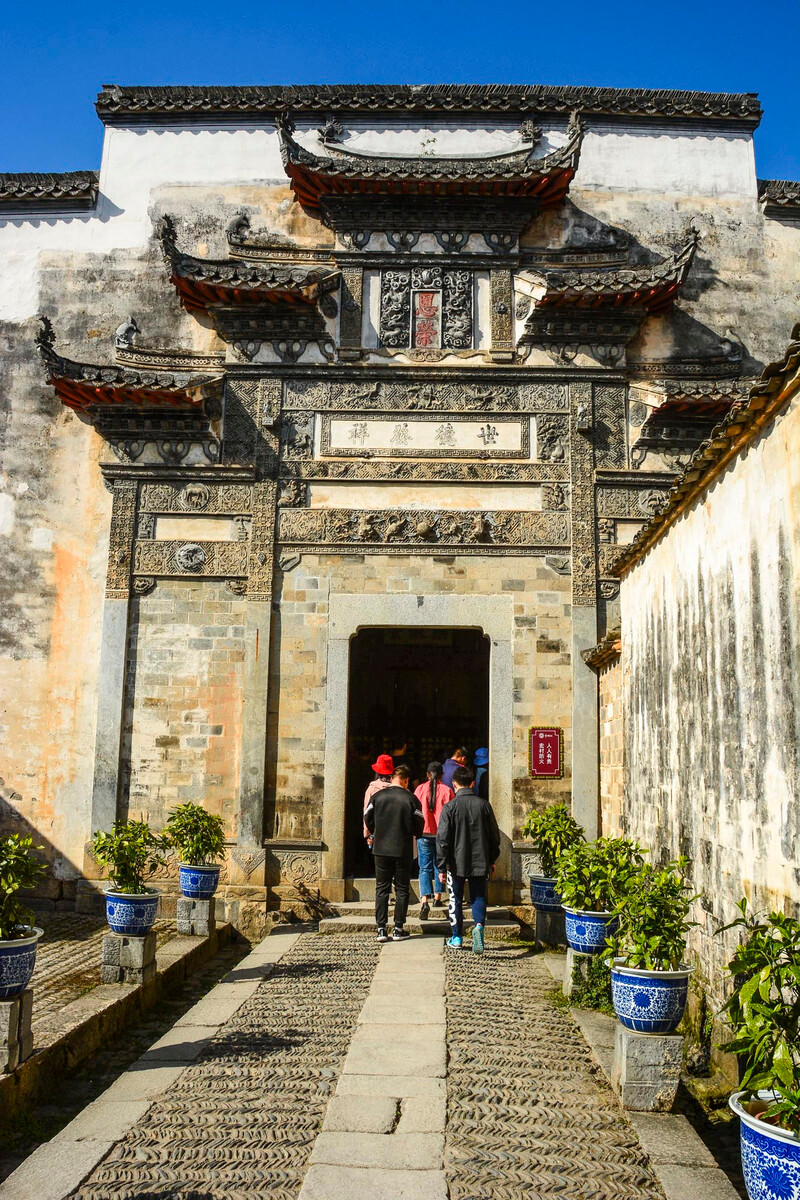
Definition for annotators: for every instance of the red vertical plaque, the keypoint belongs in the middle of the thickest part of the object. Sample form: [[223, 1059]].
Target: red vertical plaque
[[546, 753]]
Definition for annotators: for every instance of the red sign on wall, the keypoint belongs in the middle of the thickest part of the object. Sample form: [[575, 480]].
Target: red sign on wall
[[546, 753]]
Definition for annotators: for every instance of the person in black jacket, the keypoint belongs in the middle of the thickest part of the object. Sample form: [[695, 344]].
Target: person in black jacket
[[394, 818], [467, 847]]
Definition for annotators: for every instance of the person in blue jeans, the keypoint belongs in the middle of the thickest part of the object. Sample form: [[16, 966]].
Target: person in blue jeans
[[467, 847], [432, 795]]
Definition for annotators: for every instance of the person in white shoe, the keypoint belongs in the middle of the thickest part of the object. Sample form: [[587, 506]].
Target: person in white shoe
[[394, 818], [433, 796], [467, 847]]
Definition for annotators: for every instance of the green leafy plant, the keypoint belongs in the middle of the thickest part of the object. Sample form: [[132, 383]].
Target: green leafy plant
[[591, 985], [763, 1012], [552, 832], [654, 919], [131, 854], [18, 870], [597, 876], [197, 835]]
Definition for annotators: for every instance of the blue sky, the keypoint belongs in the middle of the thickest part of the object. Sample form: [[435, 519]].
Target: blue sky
[[56, 56]]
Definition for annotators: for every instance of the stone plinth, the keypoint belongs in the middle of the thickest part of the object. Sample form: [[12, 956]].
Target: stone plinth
[[647, 1069], [575, 959], [128, 959], [16, 1037], [550, 928], [195, 918]]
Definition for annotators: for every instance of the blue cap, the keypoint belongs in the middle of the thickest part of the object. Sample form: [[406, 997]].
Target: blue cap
[[481, 757]]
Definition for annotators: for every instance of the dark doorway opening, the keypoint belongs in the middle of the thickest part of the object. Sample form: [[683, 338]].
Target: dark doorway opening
[[427, 688]]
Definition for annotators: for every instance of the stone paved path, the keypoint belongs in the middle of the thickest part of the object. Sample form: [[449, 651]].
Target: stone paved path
[[327, 1067]]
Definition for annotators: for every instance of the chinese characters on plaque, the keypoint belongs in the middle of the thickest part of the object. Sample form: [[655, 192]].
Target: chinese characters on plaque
[[546, 752], [427, 320], [507, 437]]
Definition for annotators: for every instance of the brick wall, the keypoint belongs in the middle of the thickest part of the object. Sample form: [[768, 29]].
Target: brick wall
[[184, 700], [298, 683]]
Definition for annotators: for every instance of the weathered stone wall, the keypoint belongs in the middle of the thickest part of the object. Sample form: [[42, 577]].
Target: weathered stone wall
[[611, 749], [183, 704], [712, 692]]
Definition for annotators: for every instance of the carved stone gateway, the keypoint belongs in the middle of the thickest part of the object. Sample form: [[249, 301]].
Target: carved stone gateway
[[407, 403]]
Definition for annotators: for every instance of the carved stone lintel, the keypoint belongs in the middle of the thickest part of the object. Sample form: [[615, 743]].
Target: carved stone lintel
[[422, 526], [436, 395]]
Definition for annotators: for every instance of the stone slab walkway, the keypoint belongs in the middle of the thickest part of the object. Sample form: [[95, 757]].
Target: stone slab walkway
[[326, 1067]]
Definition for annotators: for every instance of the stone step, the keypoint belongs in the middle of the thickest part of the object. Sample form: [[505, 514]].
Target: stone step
[[353, 908], [500, 927]]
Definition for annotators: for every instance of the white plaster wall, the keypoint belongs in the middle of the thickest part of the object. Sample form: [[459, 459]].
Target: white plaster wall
[[135, 162], [663, 159], [711, 660]]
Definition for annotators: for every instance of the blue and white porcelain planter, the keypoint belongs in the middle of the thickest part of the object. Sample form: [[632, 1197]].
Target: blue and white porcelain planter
[[543, 893], [198, 883], [587, 931], [649, 1001], [17, 960], [132, 915], [770, 1155]]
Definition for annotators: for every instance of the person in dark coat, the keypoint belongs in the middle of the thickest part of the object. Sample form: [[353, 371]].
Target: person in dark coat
[[467, 847], [457, 759], [394, 818]]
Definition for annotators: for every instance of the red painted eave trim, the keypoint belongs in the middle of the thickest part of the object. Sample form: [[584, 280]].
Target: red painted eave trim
[[80, 395]]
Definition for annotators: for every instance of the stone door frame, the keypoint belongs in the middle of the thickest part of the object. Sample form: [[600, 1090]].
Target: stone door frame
[[348, 614]]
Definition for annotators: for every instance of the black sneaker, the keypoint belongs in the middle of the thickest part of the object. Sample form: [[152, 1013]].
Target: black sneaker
[[400, 935], [424, 910], [382, 934]]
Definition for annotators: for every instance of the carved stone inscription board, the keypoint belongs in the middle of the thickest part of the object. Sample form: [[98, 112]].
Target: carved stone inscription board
[[449, 437]]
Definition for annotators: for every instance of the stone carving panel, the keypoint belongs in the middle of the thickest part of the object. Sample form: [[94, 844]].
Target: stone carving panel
[[196, 497], [172, 557], [433, 471], [638, 502], [123, 524], [427, 395], [551, 439], [387, 529], [426, 308]]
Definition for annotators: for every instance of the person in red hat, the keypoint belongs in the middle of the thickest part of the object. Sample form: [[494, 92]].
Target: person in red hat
[[384, 769]]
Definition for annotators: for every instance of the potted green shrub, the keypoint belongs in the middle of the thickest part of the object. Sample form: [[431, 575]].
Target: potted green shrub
[[131, 854], [199, 838], [592, 879], [763, 1013], [649, 978], [552, 831], [18, 936]]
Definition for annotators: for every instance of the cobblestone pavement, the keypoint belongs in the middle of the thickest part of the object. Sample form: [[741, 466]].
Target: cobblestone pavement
[[68, 961], [241, 1121], [329, 1081], [529, 1112]]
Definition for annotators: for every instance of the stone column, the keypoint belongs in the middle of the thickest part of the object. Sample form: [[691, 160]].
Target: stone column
[[585, 779], [113, 656], [351, 314], [502, 316]]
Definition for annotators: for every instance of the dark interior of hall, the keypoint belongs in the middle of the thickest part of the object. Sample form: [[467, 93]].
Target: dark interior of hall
[[425, 689]]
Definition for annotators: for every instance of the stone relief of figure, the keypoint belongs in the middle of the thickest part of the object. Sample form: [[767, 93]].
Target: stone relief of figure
[[126, 333]]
